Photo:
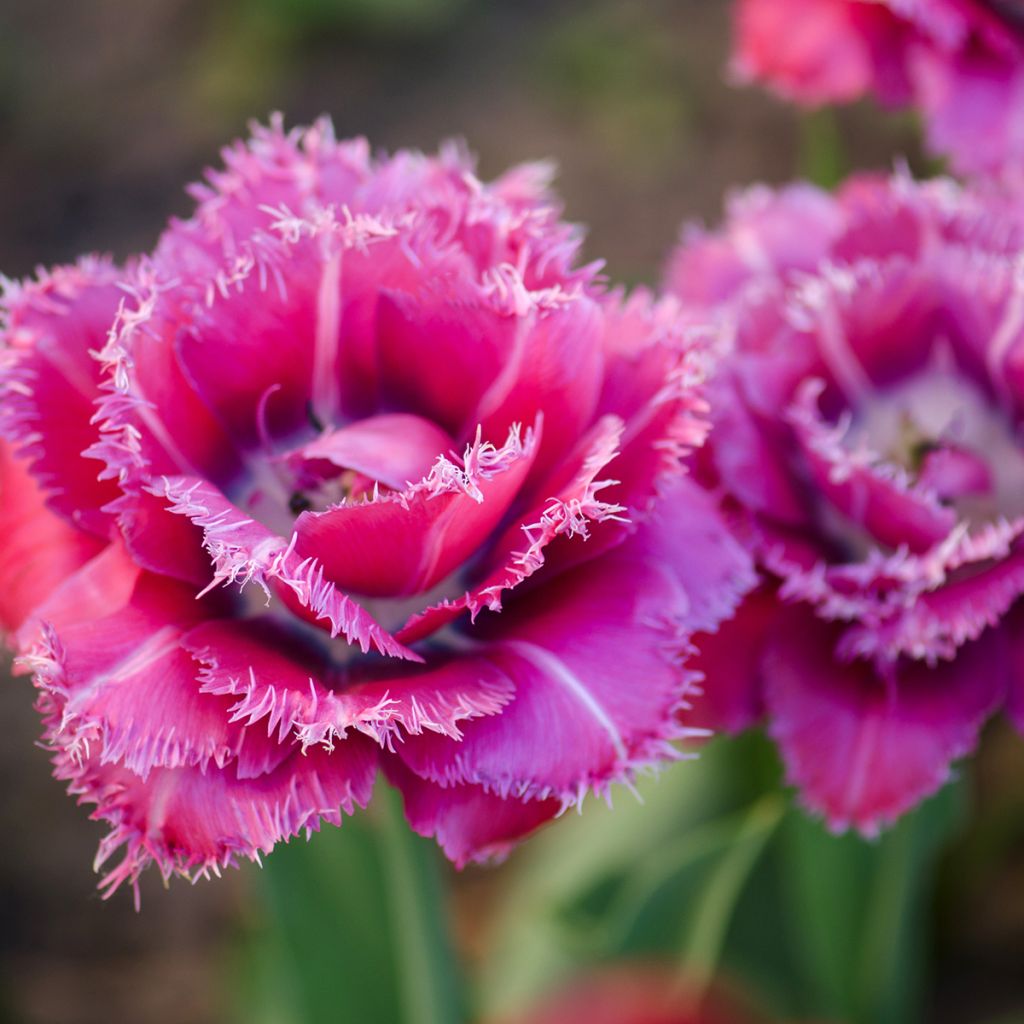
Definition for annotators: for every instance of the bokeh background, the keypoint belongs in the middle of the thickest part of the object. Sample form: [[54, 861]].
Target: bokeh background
[[107, 108]]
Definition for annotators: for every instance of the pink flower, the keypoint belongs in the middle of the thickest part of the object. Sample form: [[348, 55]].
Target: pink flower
[[382, 480], [960, 61], [867, 443]]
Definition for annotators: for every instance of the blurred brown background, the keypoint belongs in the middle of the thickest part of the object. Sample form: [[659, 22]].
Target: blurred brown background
[[108, 107]]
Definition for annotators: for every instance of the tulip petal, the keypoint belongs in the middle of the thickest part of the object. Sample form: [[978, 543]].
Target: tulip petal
[[598, 678], [115, 676], [244, 551], [40, 550], [195, 823], [863, 749], [283, 688], [469, 824], [406, 542], [50, 381]]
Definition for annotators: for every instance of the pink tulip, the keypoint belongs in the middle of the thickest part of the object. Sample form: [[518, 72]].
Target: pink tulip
[[960, 61], [867, 446], [358, 469]]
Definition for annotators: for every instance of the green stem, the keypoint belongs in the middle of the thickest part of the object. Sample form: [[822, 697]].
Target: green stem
[[427, 976], [822, 156], [706, 936], [885, 925]]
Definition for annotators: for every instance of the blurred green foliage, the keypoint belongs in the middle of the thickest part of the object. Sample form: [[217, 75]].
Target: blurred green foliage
[[622, 79], [713, 870], [304, 17], [350, 927], [716, 872]]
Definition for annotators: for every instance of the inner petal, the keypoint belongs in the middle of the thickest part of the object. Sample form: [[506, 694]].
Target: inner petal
[[393, 449], [389, 452]]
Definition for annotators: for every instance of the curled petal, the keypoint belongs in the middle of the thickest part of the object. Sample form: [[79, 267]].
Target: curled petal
[[872, 494], [244, 551], [569, 510], [394, 449], [283, 688], [405, 542], [975, 596]]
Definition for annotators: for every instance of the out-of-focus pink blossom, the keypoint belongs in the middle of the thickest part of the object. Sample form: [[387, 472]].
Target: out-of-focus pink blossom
[[358, 468], [867, 443], [640, 993], [960, 61]]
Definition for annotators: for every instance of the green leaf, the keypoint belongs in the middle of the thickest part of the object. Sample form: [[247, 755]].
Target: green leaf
[[633, 881], [352, 928], [859, 911], [714, 910]]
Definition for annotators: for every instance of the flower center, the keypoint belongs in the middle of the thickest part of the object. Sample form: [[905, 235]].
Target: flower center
[[347, 463], [1009, 12], [944, 431]]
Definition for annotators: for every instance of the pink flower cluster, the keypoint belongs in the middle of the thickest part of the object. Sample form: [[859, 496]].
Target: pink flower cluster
[[867, 446], [960, 62], [357, 471]]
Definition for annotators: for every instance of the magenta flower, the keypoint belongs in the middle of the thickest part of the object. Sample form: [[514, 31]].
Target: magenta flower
[[867, 443], [345, 415], [960, 61]]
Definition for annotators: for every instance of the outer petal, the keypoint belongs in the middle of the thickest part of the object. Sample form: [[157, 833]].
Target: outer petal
[[192, 823], [970, 99], [655, 362], [150, 418], [49, 382], [767, 232], [39, 551], [285, 688], [598, 680], [688, 535], [469, 824], [115, 677], [863, 749], [729, 698]]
